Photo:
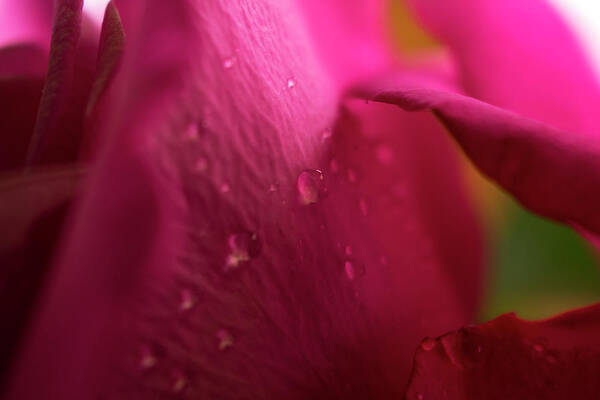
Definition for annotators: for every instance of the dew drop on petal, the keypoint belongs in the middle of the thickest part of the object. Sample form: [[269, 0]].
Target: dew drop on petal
[[310, 185], [538, 347], [273, 187], [291, 82], [224, 339], [229, 62], [353, 270], [334, 165], [384, 154], [186, 300], [420, 396], [348, 250], [351, 176], [180, 381], [201, 164], [326, 134], [147, 358], [479, 349], [242, 248], [191, 132], [428, 344], [362, 204], [224, 188]]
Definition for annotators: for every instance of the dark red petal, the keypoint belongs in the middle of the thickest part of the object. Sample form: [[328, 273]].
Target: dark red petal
[[19, 99], [405, 172], [509, 358], [32, 214], [553, 173], [23, 59]]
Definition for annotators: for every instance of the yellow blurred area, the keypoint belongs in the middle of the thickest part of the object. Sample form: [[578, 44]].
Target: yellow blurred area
[[405, 30]]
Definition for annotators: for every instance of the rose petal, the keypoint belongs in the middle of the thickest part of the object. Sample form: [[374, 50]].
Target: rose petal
[[23, 60], [541, 166], [213, 258], [349, 34], [19, 99], [404, 171], [34, 208], [536, 69], [509, 358]]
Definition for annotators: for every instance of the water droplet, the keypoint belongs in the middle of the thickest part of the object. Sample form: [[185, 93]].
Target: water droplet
[[310, 186], [191, 132], [225, 339], [242, 248], [428, 344], [229, 62], [383, 260], [201, 164], [335, 166], [348, 250], [385, 155], [362, 204], [224, 188], [273, 187], [291, 82], [420, 396], [186, 300], [353, 270], [147, 358], [551, 359], [180, 381], [479, 349], [538, 347], [351, 176], [326, 134]]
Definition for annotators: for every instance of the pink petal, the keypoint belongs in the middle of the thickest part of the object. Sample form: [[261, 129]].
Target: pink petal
[[509, 358], [23, 60], [25, 21], [208, 258], [350, 37], [518, 55], [541, 166]]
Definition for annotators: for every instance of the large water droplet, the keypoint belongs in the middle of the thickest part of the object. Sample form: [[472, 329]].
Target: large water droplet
[[428, 344], [225, 339], [353, 270], [229, 62], [242, 248], [310, 186]]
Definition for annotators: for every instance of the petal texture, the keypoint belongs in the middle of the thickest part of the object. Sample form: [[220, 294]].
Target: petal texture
[[219, 253], [557, 358], [541, 166]]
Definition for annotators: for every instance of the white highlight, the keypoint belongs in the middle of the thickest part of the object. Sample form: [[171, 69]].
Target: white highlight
[[95, 9], [583, 16]]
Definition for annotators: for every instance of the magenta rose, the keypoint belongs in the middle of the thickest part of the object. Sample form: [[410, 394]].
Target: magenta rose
[[221, 199]]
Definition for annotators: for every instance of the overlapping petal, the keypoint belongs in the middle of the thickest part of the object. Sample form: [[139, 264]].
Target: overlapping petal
[[540, 165], [212, 122], [556, 358]]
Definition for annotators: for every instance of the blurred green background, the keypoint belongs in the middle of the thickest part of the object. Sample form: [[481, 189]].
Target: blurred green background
[[537, 268]]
